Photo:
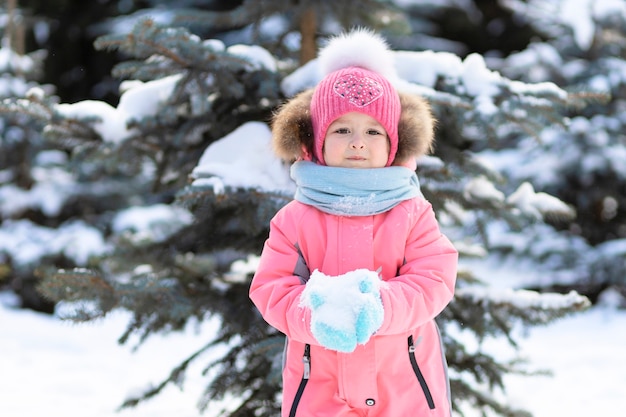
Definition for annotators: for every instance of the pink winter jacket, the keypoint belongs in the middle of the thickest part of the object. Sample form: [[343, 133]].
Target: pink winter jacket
[[401, 371]]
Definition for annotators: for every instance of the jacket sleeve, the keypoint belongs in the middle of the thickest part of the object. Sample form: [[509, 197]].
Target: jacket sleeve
[[425, 283], [275, 289]]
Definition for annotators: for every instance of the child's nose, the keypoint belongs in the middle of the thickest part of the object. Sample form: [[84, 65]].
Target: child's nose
[[357, 141]]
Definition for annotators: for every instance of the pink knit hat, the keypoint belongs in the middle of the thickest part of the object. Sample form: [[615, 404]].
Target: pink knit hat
[[354, 89]]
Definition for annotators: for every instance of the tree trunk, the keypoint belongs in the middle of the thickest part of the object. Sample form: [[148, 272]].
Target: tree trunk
[[308, 26]]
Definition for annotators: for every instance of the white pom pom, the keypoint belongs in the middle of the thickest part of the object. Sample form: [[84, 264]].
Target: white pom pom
[[360, 47]]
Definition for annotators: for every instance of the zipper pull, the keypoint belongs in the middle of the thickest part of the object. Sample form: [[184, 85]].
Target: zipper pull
[[306, 359], [412, 345]]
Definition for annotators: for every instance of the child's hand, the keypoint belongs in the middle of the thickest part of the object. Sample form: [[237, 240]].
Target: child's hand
[[345, 310], [333, 338], [371, 314]]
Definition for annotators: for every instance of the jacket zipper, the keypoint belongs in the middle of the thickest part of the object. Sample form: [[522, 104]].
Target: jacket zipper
[[306, 359], [420, 376]]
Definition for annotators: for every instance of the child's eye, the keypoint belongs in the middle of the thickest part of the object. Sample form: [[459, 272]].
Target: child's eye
[[342, 130], [374, 132]]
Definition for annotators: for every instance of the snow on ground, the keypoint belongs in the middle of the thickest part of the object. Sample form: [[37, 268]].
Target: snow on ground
[[57, 369], [53, 368], [586, 354]]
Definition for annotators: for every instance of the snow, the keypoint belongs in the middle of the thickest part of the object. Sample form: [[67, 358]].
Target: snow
[[523, 298], [259, 57], [472, 73], [57, 369], [243, 158], [583, 354], [613, 248], [12, 61], [578, 16], [431, 64], [27, 242], [336, 301], [77, 370], [480, 188], [478, 79], [138, 100], [49, 195], [537, 204], [154, 223]]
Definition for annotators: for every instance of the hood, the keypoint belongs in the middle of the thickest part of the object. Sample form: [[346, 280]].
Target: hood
[[292, 129]]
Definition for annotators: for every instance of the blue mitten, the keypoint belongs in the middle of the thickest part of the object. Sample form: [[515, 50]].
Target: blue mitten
[[371, 314], [332, 322], [341, 340], [345, 310]]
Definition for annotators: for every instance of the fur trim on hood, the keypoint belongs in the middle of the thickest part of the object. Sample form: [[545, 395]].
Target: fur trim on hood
[[292, 130]]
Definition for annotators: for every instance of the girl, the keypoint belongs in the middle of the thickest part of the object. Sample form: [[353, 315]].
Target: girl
[[355, 269]]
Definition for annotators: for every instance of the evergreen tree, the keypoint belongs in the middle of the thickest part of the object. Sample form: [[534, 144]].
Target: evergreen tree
[[25, 159], [584, 53], [183, 94]]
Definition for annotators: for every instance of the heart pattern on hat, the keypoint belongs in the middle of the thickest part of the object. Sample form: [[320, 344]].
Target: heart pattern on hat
[[359, 91]]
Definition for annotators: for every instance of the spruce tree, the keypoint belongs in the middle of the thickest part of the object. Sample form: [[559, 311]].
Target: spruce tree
[[25, 160], [183, 269], [583, 53]]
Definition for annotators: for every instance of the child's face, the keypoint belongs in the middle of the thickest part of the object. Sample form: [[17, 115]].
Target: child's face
[[356, 140]]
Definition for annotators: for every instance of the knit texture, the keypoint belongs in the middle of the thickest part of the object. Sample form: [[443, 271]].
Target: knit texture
[[353, 192], [354, 89], [346, 310]]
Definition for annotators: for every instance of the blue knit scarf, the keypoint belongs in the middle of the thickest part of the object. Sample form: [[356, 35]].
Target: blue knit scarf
[[353, 191]]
